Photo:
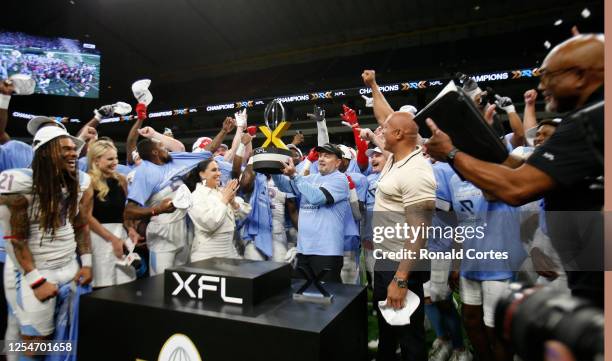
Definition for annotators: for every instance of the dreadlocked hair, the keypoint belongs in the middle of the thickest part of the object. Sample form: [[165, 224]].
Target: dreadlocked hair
[[51, 182], [96, 150]]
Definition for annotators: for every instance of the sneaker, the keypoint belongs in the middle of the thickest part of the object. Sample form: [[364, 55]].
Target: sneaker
[[464, 355], [373, 345], [440, 350]]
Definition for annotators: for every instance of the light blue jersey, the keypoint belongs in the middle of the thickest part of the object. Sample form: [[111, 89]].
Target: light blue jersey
[[15, 154], [324, 208], [501, 225], [366, 230], [150, 178], [443, 173], [225, 168]]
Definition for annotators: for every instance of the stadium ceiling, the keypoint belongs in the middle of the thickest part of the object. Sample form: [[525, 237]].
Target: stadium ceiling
[[197, 41]]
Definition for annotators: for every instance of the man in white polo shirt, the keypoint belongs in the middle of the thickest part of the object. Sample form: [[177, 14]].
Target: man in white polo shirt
[[405, 195]]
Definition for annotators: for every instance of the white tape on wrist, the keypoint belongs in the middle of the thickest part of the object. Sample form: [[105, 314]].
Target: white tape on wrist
[[86, 260], [240, 150], [33, 276], [4, 101]]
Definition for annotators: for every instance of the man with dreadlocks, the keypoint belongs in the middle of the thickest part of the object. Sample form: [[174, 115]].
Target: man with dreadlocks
[[44, 235]]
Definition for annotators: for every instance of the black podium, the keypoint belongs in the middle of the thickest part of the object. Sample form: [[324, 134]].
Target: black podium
[[143, 320]]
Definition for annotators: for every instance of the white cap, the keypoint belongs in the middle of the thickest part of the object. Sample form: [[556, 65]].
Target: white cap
[[23, 84], [200, 144], [35, 123], [346, 151], [46, 134], [293, 146], [122, 108], [370, 152], [140, 88], [408, 109]]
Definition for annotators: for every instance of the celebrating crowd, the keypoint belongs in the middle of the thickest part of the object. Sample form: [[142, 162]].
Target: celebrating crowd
[[72, 214]]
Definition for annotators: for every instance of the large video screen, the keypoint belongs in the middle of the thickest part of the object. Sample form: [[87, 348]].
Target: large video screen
[[60, 66]]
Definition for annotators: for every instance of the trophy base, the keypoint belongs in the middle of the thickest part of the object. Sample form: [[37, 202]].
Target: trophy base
[[270, 160]]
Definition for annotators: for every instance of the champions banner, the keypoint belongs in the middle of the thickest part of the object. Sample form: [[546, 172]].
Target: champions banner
[[393, 88]]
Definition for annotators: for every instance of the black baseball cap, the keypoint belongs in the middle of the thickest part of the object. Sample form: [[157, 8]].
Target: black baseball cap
[[330, 148]]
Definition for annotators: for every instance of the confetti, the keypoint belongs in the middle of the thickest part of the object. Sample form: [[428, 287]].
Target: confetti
[[585, 13]]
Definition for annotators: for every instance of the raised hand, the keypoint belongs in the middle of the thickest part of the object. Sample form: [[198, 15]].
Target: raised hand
[[349, 115], [317, 114], [369, 77], [530, 96], [229, 124], [147, 132]]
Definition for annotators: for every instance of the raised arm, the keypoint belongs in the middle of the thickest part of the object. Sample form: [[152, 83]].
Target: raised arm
[[228, 125], [173, 145], [5, 97], [241, 124], [518, 132], [382, 109], [132, 139], [318, 115], [529, 116]]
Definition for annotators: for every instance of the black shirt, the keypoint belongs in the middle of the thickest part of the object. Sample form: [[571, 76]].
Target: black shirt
[[573, 158], [111, 209], [570, 158]]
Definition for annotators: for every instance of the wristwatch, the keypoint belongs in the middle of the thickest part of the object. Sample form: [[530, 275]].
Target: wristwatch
[[400, 282], [450, 157]]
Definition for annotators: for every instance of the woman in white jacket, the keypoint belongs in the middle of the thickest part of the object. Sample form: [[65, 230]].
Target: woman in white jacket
[[214, 212]]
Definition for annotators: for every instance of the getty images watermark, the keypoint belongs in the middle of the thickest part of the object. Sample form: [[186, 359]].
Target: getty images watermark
[[457, 234]]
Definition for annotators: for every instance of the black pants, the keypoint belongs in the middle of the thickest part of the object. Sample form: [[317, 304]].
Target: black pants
[[411, 338], [318, 263]]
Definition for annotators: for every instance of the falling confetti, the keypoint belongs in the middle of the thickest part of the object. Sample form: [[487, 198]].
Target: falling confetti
[[585, 13], [558, 22], [547, 44]]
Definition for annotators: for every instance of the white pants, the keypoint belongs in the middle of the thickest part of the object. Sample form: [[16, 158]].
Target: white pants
[[350, 268], [485, 293], [279, 250], [35, 318], [369, 260], [106, 271], [159, 261], [437, 287]]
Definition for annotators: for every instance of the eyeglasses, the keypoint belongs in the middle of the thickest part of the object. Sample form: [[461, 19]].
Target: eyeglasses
[[546, 74]]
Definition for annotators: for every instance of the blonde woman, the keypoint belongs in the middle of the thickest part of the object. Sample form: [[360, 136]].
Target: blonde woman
[[108, 231], [214, 212]]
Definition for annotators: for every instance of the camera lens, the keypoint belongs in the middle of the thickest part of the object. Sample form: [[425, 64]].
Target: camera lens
[[528, 317]]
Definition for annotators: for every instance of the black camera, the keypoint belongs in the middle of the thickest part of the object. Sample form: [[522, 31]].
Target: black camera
[[528, 317]]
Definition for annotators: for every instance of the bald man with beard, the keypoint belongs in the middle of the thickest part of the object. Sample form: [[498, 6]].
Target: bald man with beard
[[405, 195], [567, 169]]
